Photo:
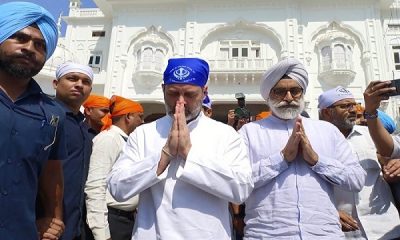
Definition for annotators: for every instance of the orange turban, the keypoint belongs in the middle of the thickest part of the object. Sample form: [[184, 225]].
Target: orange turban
[[121, 106], [359, 109], [96, 101], [262, 115]]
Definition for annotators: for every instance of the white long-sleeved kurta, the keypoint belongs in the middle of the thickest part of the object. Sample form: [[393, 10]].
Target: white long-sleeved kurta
[[295, 201], [373, 207], [189, 200], [107, 146]]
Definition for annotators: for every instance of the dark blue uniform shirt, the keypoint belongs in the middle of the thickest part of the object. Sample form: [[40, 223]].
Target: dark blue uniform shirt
[[31, 132], [75, 167]]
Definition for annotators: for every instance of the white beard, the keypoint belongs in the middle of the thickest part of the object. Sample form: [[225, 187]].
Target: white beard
[[286, 113]]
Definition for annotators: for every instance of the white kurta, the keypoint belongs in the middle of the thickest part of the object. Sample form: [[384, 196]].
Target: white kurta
[[107, 146], [190, 199], [373, 207], [295, 201]]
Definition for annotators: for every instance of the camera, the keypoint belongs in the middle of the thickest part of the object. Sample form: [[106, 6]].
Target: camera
[[396, 84], [241, 112]]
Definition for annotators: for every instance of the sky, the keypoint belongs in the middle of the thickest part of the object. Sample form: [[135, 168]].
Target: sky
[[56, 7]]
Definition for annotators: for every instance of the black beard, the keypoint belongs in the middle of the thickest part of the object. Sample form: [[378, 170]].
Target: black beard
[[16, 70]]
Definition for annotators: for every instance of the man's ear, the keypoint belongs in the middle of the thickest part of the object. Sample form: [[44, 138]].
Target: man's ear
[[326, 114], [86, 111], [55, 83], [205, 90]]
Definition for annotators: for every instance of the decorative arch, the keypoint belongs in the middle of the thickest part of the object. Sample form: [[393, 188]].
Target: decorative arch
[[151, 33], [358, 37], [147, 53]]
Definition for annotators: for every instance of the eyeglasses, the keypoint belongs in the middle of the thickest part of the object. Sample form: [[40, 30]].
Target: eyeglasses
[[282, 92], [345, 106]]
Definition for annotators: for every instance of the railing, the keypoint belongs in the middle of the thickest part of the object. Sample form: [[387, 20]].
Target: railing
[[230, 65], [150, 66], [337, 65], [87, 12]]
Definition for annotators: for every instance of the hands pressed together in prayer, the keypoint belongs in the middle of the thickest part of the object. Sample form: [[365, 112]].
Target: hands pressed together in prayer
[[178, 143], [50, 228], [298, 143]]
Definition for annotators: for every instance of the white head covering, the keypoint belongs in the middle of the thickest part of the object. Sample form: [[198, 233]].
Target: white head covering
[[289, 66], [331, 96], [69, 67]]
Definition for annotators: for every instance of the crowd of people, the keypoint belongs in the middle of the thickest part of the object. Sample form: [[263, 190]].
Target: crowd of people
[[82, 166]]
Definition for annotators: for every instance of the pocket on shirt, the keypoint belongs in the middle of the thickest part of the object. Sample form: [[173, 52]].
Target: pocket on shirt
[[46, 140]]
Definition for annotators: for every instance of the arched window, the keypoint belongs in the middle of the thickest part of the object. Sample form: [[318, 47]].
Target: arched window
[[147, 58], [159, 60], [139, 56], [349, 57], [326, 55], [339, 56]]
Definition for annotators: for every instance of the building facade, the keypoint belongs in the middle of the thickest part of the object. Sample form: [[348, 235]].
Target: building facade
[[128, 43]]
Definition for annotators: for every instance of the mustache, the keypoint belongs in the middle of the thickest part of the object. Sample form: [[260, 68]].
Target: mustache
[[287, 104], [28, 56]]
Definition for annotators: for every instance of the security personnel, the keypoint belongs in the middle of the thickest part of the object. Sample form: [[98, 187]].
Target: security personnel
[[73, 85], [31, 126]]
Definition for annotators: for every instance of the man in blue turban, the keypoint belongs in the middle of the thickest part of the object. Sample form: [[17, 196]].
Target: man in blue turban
[[31, 127], [184, 182]]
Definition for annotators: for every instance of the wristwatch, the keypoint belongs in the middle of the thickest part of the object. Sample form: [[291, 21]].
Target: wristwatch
[[370, 115]]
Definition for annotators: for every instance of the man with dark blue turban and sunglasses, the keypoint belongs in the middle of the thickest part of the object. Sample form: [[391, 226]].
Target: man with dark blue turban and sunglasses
[[184, 177], [31, 127]]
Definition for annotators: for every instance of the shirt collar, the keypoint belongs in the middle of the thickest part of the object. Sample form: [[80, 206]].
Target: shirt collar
[[355, 131], [118, 130], [32, 89]]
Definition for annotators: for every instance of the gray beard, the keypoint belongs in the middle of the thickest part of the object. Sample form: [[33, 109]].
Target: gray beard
[[345, 124], [287, 113]]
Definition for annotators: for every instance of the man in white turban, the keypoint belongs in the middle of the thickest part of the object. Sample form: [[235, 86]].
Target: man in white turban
[[362, 216], [73, 85], [32, 140], [296, 163]]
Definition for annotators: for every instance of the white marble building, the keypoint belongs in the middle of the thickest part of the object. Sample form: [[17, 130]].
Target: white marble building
[[128, 42]]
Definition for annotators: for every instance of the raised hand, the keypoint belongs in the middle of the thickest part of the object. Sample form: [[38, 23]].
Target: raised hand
[[374, 93]]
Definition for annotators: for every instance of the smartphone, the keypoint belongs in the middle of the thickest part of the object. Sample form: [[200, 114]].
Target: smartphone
[[395, 83]]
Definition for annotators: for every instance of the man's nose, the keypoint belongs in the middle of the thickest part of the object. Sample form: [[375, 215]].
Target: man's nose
[[288, 97], [182, 99], [29, 47]]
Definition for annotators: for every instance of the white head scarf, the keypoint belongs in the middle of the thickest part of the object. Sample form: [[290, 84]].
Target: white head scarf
[[331, 96], [289, 66], [69, 67]]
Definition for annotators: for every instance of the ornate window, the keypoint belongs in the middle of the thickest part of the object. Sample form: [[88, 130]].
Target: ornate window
[[150, 58], [335, 50], [326, 56]]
